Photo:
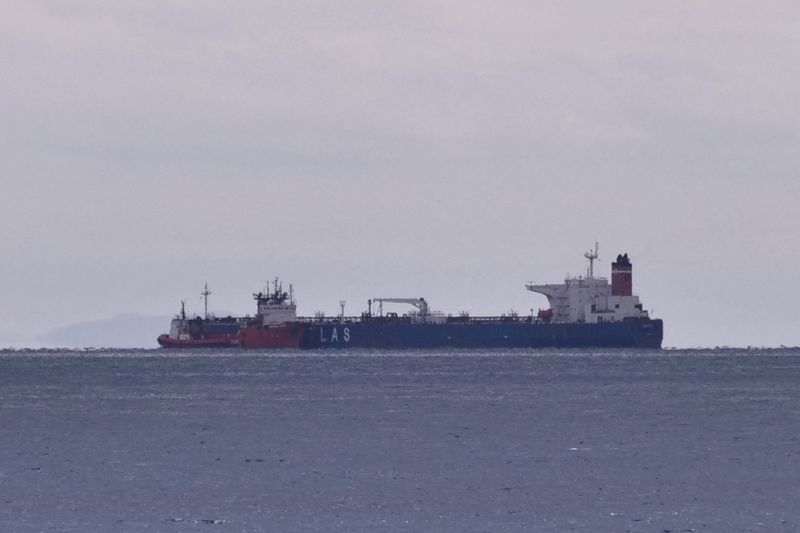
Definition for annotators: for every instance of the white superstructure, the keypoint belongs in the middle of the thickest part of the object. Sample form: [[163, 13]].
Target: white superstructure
[[276, 307], [590, 299]]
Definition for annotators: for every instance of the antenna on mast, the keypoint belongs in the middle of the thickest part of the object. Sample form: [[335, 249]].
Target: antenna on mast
[[205, 294], [591, 256], [278, 287]]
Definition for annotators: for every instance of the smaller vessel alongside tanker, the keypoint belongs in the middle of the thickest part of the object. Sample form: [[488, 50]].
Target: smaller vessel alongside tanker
[[585, 311], [197, 332], [274, 325]]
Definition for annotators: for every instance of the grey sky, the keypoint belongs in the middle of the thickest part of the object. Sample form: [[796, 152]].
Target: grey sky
[[450, 149]]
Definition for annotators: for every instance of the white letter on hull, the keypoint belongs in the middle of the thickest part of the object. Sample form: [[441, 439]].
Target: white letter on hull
[[334, 336], [322, 335], [346, 334]]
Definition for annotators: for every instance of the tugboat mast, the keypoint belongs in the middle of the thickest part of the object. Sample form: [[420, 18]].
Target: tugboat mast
[[205, 294]]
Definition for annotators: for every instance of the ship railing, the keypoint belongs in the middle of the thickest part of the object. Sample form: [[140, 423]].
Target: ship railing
[[505, 319]]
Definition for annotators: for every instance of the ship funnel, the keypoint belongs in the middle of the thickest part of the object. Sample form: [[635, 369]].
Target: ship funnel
[[622, 276]]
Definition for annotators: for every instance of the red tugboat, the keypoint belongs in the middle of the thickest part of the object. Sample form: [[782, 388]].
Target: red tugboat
[[201, 332], [274, 325]]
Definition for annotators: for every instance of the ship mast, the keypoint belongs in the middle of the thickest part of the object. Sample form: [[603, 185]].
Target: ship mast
[[591, 256], [205, 294], [278, 288]]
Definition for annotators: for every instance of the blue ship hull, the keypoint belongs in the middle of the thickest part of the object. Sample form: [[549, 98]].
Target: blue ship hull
[[378, 333]]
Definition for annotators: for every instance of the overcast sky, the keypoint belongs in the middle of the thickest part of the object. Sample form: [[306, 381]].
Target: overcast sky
[[449, 149]]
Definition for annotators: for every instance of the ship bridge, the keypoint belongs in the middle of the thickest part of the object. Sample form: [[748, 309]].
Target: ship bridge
[[592, 299], [568, 300]]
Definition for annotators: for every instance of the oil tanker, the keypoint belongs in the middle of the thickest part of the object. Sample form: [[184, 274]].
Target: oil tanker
[[585, 311]]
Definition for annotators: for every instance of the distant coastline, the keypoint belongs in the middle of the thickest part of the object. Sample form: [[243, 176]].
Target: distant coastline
[[122, 331]]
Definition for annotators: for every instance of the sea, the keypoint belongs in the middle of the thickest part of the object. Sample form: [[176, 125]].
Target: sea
[[400, 441]]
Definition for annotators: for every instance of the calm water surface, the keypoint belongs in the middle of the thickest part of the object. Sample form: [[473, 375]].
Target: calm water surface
[[400, 441]]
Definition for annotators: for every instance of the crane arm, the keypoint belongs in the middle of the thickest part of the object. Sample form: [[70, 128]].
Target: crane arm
[[419, 303]]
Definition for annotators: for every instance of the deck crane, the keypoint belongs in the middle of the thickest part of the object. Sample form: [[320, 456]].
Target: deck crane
[[419, 303]]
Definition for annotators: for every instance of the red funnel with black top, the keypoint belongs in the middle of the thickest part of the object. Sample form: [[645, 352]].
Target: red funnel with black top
[[622, 276]]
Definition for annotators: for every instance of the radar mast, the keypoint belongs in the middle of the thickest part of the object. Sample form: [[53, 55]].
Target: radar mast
[[591, 256]]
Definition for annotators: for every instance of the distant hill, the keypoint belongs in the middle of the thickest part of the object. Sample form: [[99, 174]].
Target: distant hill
[[123, 331]]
